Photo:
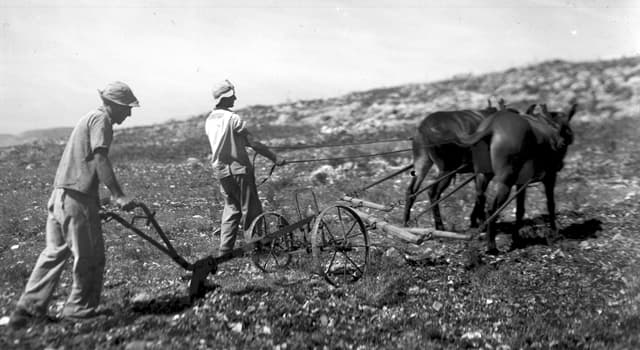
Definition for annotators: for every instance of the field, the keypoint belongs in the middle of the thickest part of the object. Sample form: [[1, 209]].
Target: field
[[582, 291]]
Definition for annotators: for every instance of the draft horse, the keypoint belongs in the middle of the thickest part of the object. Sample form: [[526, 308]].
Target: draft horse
[[513, 149], [437, 141]]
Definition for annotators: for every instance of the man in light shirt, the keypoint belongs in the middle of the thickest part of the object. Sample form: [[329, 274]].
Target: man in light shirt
[[229, 137], [73, 223]]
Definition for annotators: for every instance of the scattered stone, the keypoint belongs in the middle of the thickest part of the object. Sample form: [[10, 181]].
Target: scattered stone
[[141, 298], [472, 335], [472, 339], [585, 245], [194, 162], [236, 327], [324, 320], [394, 255], [322, 175]]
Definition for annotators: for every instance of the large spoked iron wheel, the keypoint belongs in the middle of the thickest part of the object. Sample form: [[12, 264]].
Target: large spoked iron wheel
[[340, 245], [270, 254]]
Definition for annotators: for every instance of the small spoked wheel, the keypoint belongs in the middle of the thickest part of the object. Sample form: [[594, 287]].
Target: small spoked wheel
[[271, 252], [340, 245]]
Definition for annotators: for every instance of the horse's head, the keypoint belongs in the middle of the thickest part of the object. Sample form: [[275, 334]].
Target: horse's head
[[562, 120]]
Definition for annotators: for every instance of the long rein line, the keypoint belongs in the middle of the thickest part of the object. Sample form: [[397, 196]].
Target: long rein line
[[273, 167], [347, 157], [327, 145]]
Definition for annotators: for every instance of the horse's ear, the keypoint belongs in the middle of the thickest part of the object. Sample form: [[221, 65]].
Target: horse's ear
[[530, 109], [502, 104], [543, 107], [572, 111], [489, 102]]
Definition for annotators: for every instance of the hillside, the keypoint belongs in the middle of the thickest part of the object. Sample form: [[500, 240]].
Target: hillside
[[605, 90], [52, 134]]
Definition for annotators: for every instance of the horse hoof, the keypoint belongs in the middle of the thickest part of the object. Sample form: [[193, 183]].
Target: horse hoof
[[517, 243], [493, 251]]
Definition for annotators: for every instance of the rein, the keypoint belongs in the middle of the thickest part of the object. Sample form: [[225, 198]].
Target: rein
[[335, 158], [327, 145]]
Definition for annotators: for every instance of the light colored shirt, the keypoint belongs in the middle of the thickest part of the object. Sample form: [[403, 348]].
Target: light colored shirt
[[227, 134], [77, 169]]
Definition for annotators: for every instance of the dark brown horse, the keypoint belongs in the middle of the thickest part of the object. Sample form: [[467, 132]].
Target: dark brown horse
[[514, 149], [436, 141]]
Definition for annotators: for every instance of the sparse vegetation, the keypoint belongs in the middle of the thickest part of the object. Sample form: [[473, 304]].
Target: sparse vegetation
[[580, 292]]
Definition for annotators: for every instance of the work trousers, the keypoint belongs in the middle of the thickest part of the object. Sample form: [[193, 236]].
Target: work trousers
[[73, 229], [241, 207]]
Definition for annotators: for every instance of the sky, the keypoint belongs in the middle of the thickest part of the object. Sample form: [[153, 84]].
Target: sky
[[55, 54]]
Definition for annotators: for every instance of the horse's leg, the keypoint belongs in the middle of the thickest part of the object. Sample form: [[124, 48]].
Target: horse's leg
[[434, 194], [478, 214], [502, 194], [421, 165], [520, 201], [549, 185]]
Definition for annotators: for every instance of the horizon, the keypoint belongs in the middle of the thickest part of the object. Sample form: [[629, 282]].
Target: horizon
[[55, 55]]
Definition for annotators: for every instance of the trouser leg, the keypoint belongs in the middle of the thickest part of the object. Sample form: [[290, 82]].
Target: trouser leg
[[87, 245], [231, 213], [250, 202], [99, 261], [50, 264]]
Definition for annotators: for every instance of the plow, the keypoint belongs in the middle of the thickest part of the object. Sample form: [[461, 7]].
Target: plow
[[336, 238]]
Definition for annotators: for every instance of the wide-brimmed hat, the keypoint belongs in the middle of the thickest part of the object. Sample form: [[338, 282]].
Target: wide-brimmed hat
[[120, 93], [223, 89]]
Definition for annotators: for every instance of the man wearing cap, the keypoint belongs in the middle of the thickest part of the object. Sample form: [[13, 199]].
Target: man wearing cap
[[229, 137], [73, 223]]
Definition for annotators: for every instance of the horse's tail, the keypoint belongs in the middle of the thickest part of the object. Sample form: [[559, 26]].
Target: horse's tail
[[484, 130]]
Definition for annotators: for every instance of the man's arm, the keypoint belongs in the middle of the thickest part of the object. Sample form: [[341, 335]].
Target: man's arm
[[108, 177], [263, 150]]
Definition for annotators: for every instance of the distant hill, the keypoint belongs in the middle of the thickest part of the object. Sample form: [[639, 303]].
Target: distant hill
[[52, 134], [8, 140], [604, 89]]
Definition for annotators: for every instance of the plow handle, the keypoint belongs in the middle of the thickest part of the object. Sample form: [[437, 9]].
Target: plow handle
[[168, 248]]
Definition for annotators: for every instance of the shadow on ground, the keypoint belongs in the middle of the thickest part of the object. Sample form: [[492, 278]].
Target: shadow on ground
[[535, 231]]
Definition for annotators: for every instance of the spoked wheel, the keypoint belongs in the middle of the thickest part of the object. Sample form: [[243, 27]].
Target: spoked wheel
[[271, 253], [340, 245]]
